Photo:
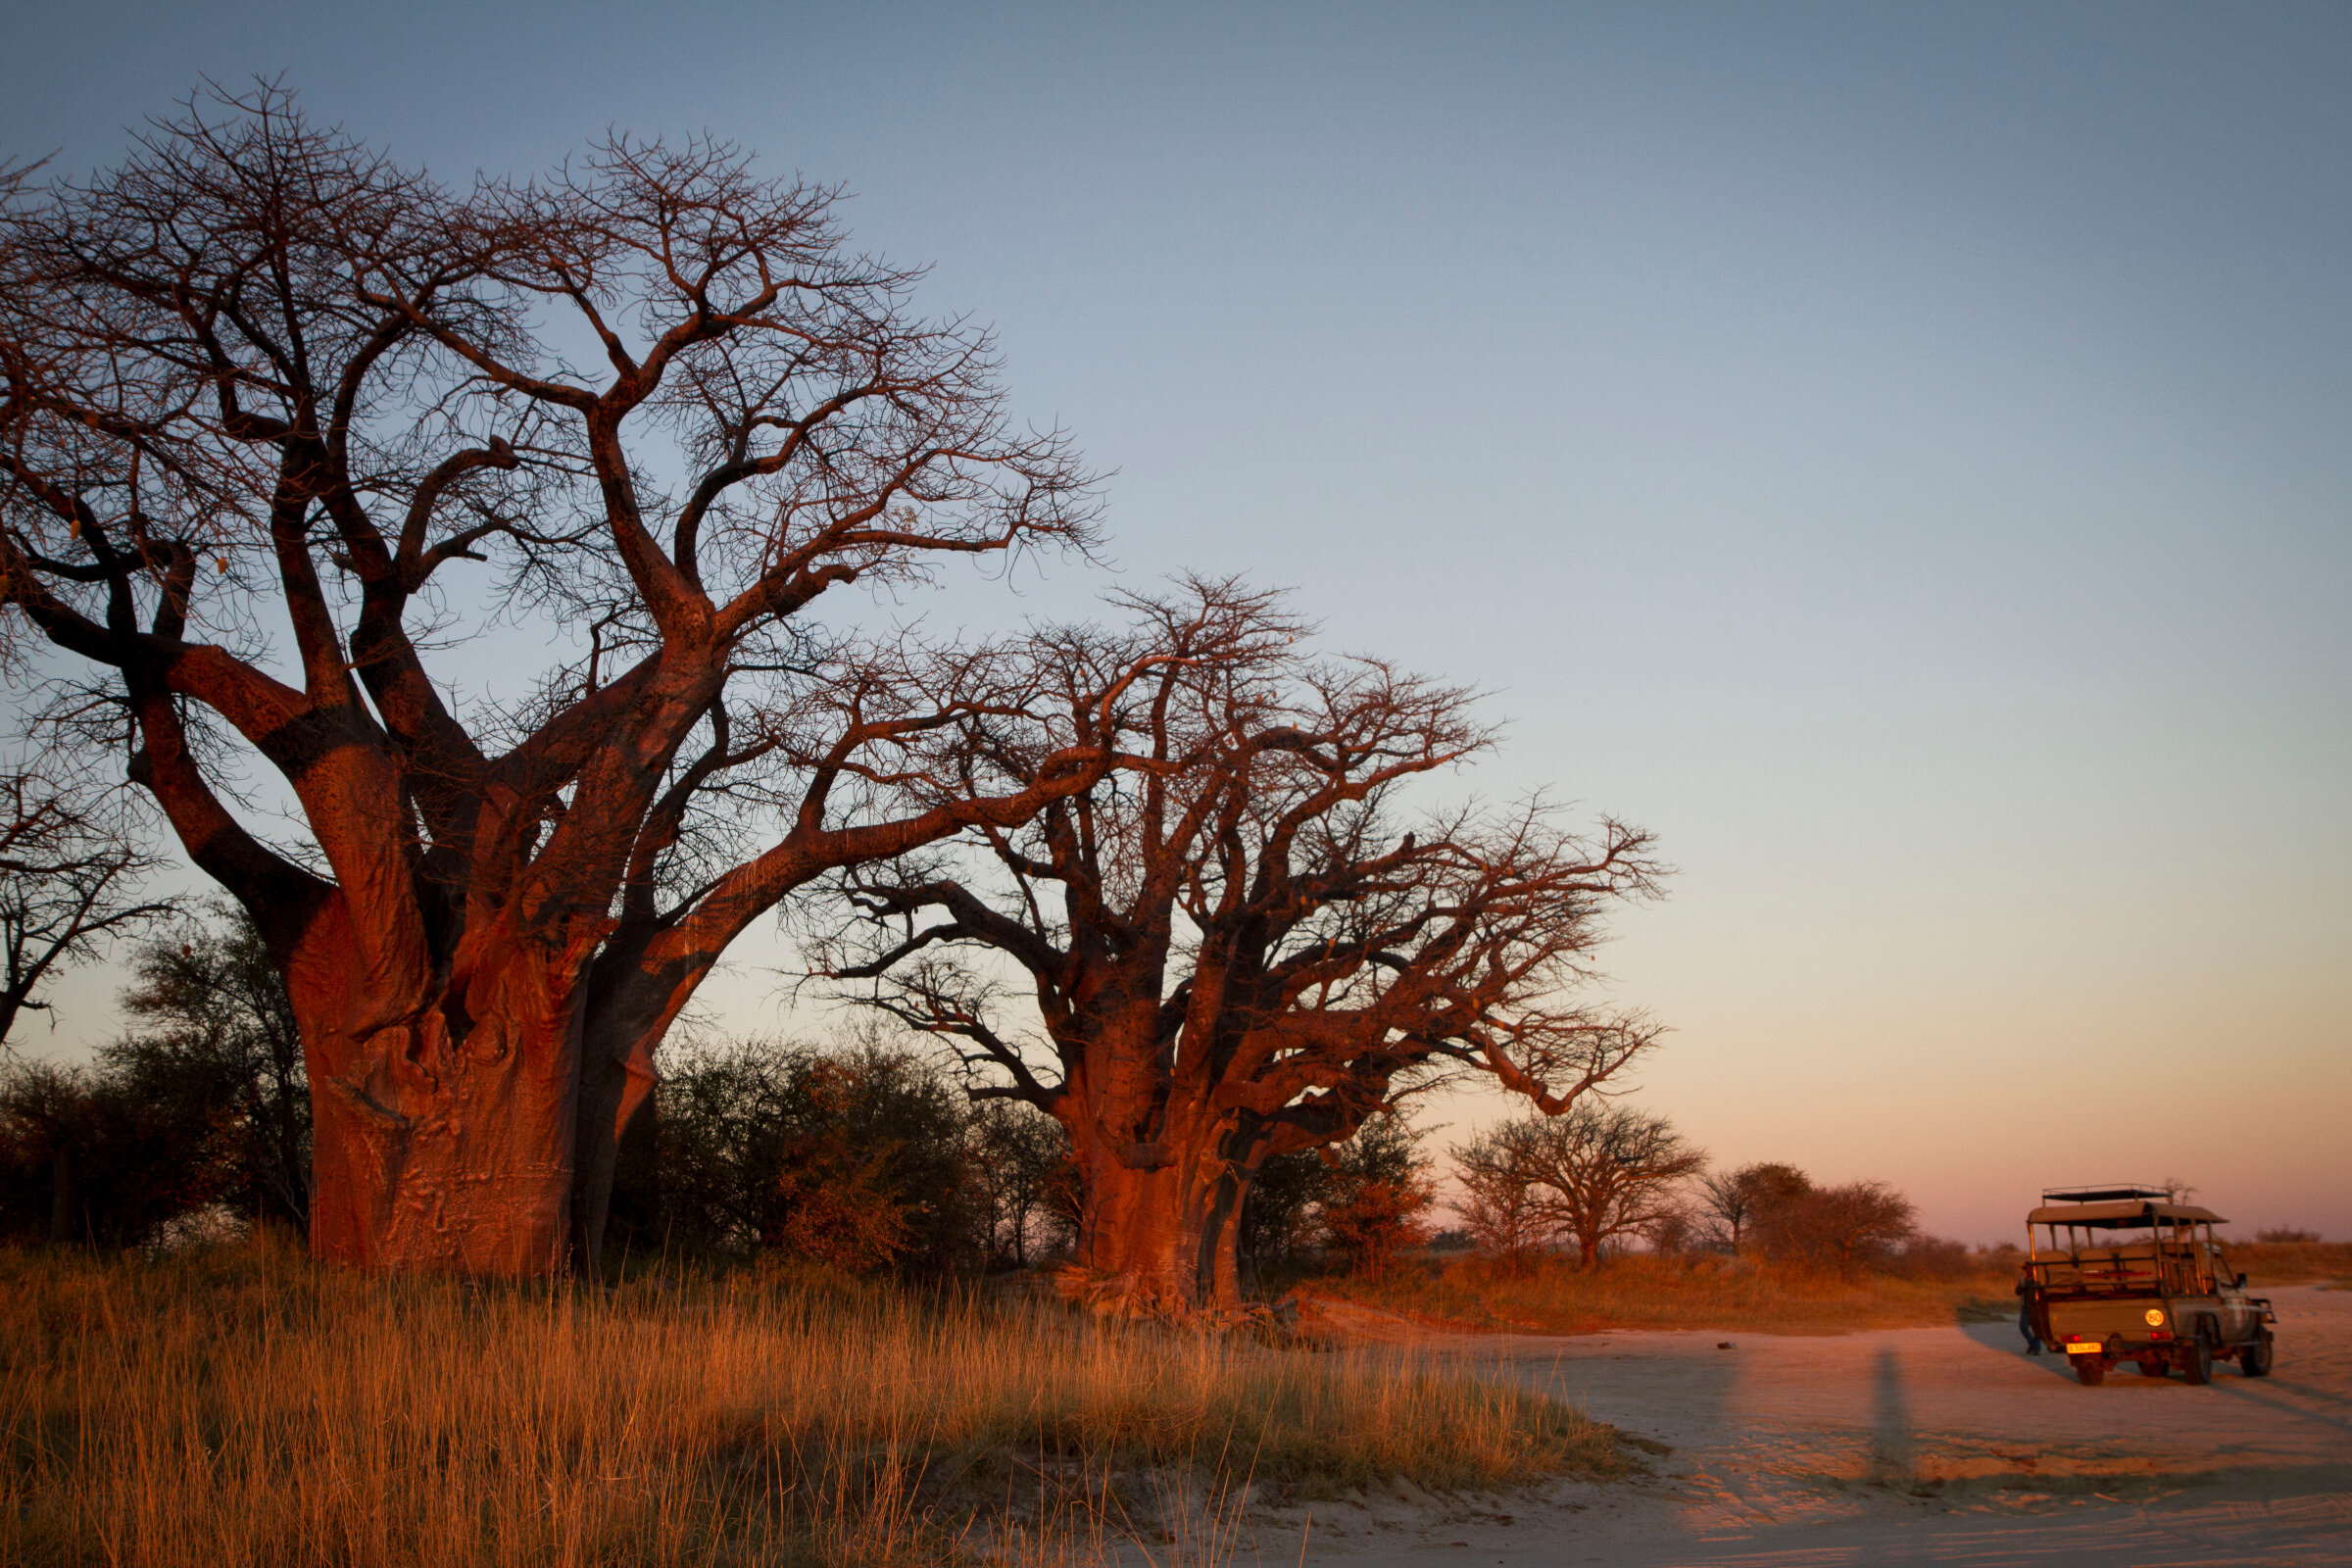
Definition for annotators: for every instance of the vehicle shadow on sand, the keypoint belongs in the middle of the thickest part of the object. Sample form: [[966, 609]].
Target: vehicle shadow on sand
[[2004, 1337]]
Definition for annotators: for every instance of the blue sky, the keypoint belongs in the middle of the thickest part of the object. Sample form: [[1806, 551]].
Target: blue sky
[[1899, 453]]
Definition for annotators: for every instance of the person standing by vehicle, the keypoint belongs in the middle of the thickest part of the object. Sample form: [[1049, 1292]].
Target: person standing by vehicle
[[2027, 1291]]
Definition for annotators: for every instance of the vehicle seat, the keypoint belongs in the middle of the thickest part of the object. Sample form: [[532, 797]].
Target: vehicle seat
[[2133, 1263]]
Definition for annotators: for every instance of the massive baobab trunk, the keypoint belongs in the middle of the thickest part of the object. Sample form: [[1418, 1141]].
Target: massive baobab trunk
[[443, 1140], [1150, 1235], [1167, 1242]]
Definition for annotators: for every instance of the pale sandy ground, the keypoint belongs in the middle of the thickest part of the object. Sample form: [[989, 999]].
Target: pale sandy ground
[[1897, 1447]]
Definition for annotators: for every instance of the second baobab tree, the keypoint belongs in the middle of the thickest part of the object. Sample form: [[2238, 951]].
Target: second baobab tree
[[1258, 929]]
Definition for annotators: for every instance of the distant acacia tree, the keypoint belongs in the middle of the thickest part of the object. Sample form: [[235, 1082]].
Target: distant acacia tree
[[70, 879], [281, 419], [1501, 1206], [1018, 1164], [1732, 1201], [1598, 1173], [1724, 1204], [1247, 938]]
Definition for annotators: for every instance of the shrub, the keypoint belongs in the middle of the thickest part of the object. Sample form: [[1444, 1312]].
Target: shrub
[[1278, 1223], [100, 1157], [215, 1032], [204, 1104], [1934, 1257], [2280, 1235], [1379, 1190], [858, 1159], [1844, 1227]]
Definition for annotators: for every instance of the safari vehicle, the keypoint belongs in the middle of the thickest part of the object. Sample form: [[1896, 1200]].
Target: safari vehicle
[[2125, 1274]]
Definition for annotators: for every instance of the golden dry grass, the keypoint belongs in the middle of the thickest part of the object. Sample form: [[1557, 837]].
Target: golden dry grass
[[1639, 1292], [244, 1407]]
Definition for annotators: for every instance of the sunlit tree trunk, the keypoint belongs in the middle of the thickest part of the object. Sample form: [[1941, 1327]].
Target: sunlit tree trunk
[[443, 1141], [1165, 1240], [1161, 1242]]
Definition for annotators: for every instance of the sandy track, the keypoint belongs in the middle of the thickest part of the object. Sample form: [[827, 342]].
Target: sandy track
[[1898, 1447]]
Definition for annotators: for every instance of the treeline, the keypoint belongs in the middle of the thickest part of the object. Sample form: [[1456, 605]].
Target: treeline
[[199, 1117], [866, 1157], [1611, 1177]]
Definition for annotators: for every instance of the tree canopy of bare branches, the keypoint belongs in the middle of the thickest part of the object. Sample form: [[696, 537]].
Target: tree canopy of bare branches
[[1733, 1202], [1247, 937], [70, 877], [283, 424], [1596, 1173]]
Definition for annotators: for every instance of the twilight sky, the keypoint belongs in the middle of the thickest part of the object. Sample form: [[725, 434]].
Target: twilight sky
[[1901, 454]]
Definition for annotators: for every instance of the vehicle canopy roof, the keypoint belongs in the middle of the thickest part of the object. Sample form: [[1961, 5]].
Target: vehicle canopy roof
[[2123, 1214]]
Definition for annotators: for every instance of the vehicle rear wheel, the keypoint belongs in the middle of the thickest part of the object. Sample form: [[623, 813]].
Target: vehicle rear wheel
[[2196, 1361], [2154, 1366], [2091, 1369], [2255, 1359]]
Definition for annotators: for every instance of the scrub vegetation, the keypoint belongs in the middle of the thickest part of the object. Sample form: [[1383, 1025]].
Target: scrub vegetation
[[1927, 1282], [2301, 1262], [1552, 1295]]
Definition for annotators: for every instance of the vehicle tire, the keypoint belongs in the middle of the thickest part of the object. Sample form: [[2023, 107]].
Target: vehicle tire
[[2155, 1366], [2196, 1361], [2091, 1369], [2255, 1359]]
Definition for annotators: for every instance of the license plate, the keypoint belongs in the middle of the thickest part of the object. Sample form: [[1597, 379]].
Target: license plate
[[2080, 1349]]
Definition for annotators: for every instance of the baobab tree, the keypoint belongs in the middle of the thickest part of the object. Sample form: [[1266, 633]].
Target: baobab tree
[[283, 422], [1242, 940]]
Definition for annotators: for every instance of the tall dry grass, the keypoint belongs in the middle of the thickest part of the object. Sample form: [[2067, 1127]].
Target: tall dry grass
[[1551, 1295], [2290, 1262], [241, 1406]]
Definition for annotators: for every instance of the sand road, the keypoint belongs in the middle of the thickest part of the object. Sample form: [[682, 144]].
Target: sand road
[[1897, 1447]]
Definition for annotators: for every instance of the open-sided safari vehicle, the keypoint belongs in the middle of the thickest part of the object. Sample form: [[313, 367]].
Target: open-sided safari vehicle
[[2124, 1274]]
